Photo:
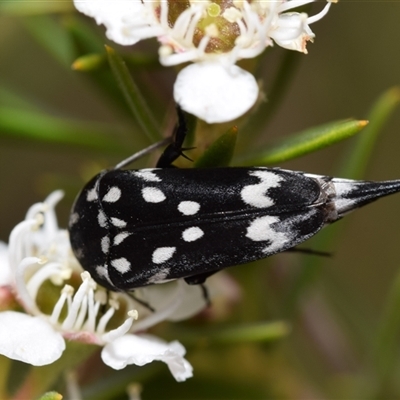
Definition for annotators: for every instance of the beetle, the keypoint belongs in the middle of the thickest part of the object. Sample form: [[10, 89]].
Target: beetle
[[133, 228]]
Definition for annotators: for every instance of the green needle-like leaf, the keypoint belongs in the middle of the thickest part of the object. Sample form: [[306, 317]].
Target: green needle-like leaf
[[52, 36], [87, 39], [13, 98], [36, 126], [265, 332], [51, 396], [260, 332], [89, 62], [357, 160], [220, 153], [354, 166], [33, 7], [139, 59], [88, 44], [92, 61], [133, 97], [306, 142]]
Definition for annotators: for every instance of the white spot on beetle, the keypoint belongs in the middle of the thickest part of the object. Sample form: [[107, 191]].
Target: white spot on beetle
[[159, 277], [118, 239], [79, 253], [188, 207], [153, 195], [102, 219], [113, 195], [343, 187], [192, 234], [122, 265], [162, 254], [256, 195], [91, 195], [102, 272], [105, 244], [148, 175], [73, 218], [260, 230], [119, 223]]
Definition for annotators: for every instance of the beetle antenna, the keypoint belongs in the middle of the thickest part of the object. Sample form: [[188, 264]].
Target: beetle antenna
[[311, 252], [143, 152]]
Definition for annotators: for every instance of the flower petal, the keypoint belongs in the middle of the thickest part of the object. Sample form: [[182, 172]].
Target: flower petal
[[143, 349], [5, 270], [192, 299], [29, 339], [292, 32], [126, 20], [215, 93]]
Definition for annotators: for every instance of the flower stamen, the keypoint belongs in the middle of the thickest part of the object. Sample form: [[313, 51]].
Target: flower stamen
[[48, 271], [122, 329], [101, 326], [66, 293], [40, 335], [77, 301], [18, 245], [188, 36], [213, 34], [95, 301], [82, 312], [321, 14], [23, 292]]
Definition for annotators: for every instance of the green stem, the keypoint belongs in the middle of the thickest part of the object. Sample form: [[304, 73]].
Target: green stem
[[133, 97]]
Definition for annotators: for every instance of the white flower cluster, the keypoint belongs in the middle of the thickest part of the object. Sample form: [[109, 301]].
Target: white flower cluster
[[39, 255], [212, 34]]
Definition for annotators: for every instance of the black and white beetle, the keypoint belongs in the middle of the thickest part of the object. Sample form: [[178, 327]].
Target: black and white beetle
[[133, 228]]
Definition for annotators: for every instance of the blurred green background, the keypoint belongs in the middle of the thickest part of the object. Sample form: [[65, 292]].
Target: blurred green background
[[330, 350]]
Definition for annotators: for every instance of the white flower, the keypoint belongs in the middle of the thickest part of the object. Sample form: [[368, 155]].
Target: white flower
[[5, 271], [216, 35], [38, 257]]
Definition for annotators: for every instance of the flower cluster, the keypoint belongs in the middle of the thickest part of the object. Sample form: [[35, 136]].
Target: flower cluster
[[212, 34], [35, 268]]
